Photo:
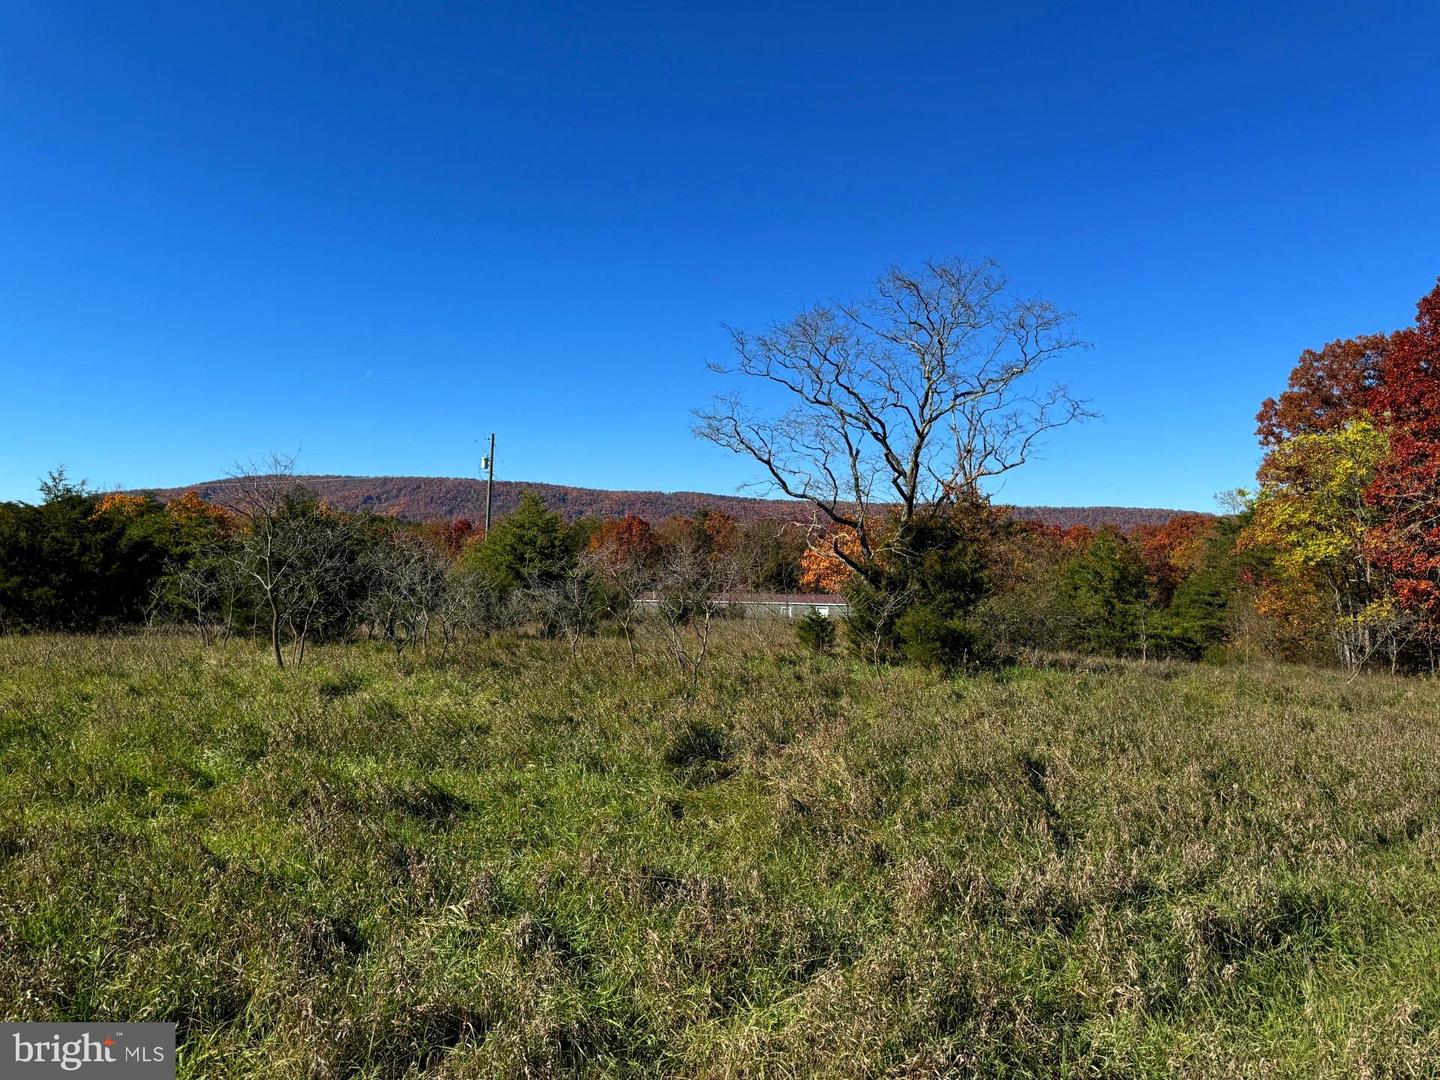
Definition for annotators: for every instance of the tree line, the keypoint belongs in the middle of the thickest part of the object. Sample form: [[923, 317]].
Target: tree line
[[899, 409], [265, 557], [897, 412]]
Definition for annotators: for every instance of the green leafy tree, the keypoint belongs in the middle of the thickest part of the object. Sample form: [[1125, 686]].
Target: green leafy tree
[[921, 604], [816, 632], [1200, 618], [77, 560], [531, 546], [1104, 590]]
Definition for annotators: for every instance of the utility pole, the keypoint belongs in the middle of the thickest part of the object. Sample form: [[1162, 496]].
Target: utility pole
[[489, 465]]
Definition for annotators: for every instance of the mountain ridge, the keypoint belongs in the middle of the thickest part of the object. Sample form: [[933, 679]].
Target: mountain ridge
[[445, 498]]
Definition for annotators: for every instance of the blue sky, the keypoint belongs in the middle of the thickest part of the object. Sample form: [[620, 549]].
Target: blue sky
[[373, 233]]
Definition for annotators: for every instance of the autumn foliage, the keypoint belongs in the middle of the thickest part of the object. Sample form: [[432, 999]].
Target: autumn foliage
[[120, 503], [451, 537], [1337, 550], [1349, 498], [1406, 488], [1328, 388], [822, 569], [1173, 551], [628, 539], [189, 510]]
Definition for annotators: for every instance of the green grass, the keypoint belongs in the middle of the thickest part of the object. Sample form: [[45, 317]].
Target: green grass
[[519, 863]]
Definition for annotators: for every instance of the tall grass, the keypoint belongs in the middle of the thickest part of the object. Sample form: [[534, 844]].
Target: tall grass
[[516, 862]]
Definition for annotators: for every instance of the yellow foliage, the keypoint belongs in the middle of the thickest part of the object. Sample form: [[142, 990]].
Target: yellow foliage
[[1311, 506], [119, 503]]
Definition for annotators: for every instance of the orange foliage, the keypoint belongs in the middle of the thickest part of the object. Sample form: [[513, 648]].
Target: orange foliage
[[722, 529], [119, 503], [822, 570], [190, 509], [626, 540], [450, 537], [1172, 552], [1328, 388], [1069, 537], [1295, 615]]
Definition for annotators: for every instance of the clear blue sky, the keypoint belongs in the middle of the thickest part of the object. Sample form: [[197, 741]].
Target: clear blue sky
[[374, 232]]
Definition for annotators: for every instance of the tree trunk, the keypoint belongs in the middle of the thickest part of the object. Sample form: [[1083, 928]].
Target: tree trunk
[[275, 636]]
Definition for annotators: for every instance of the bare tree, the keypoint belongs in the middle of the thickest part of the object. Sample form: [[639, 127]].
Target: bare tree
[[691, 587], [195, 590], [625, 577], [473, 608], [910, 400], [407, 590], [569, 607], [296, 555]]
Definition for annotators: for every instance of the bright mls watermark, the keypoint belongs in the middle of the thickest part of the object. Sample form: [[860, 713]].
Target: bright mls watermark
[[113, 1051]]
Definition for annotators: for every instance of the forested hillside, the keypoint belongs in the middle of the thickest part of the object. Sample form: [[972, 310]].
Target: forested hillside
[[446, 498]]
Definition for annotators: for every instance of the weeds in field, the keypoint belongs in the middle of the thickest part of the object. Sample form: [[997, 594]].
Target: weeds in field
[[519, 862]]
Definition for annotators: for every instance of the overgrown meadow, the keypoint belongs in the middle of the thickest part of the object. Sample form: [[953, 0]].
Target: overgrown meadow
[[513, 861]]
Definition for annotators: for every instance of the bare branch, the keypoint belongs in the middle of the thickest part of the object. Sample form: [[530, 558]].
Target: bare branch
[[902, 403]]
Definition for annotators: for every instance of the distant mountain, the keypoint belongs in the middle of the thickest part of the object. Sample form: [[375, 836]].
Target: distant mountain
[[441, 498]]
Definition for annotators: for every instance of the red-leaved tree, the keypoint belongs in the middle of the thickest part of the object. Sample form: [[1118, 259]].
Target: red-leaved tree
[[1172, 552], [626, 540], [1328, 388], [1406, 488]]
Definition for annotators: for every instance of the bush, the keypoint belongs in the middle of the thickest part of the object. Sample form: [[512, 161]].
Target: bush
[[935, 573], [816, 633], [927, 637]]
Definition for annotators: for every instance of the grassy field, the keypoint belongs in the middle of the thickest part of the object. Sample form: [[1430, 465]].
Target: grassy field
[[522, 863]]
